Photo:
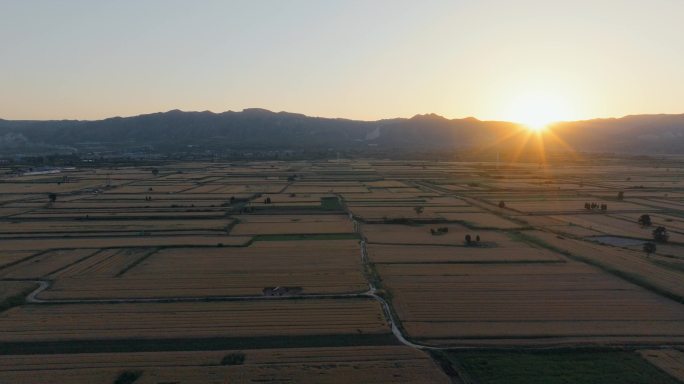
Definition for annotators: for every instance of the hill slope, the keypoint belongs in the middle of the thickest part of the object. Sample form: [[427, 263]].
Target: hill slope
[[262, 129]]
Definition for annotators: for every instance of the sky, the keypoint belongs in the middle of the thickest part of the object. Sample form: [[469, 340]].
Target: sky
[[361, 59]]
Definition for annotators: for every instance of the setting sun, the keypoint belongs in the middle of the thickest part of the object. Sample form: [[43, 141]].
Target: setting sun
[[537, 110]]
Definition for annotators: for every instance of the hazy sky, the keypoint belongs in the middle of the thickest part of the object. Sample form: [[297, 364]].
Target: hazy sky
[[364, 59]]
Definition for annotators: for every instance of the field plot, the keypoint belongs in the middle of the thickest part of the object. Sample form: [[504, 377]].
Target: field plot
[[45, 264], [122, 242], [191, 320], [13, 257], [386, 364], [105, 214], [412, 254], [420, 234], [480, 220], [669, 360], [13, 292], [292, 224], [105, 263], [289, 200], [332, 266], [614, 226], [632, 265], [534, 304], [570, 206], [107, 226]]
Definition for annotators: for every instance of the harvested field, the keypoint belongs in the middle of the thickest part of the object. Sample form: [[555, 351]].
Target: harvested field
[[543, 303], [80, 226], [633, 265], [191, 320], [570, 206], [332, 266], [386, 364], [420, 234], [481, 220], [614, 226], [293, 225], [45, 264], [105, 263], [412, 254], [13, 257], [123, 242]]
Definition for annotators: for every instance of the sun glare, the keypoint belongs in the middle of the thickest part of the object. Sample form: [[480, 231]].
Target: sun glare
[[537, 110]]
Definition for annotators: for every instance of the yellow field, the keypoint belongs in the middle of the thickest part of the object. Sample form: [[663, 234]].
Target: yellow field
[[331, 266]]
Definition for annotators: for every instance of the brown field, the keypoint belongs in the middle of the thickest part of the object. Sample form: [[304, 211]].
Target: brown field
[[614, 226], [122, 242], [293, 225], [386, 364], [191, 320], [185, 212]]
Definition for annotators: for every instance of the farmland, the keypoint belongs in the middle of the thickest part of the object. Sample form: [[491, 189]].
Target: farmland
[[321, 271]]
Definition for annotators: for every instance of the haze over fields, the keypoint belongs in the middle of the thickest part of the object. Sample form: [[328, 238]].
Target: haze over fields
[[262, 129]]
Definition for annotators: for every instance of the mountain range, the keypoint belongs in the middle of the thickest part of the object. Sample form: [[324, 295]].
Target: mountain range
[[262, 129]]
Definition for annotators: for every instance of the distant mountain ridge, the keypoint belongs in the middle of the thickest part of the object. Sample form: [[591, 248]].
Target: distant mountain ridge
[[262, 129]]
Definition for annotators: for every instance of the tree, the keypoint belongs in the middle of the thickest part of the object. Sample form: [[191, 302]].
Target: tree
[[477, 238], [645, 220], [468, 239], [418, 210], [660, 235], [649, 248], [502, 204], [621, 195]]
